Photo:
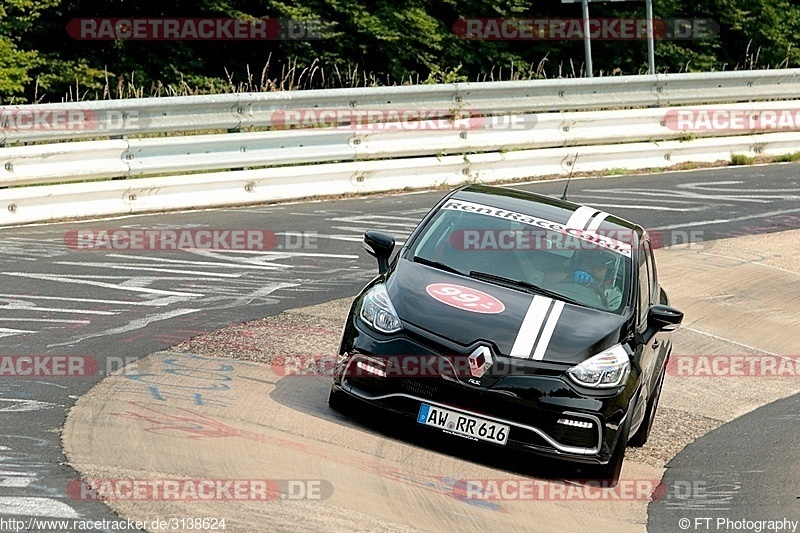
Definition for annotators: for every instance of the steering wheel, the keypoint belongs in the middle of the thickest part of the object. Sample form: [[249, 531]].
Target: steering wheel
[[582, 293]]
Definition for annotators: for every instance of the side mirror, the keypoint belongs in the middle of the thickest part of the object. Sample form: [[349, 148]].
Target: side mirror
[[380, 246], [664, 317]]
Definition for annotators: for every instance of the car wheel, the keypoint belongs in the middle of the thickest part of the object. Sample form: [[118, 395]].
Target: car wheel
[[608, 474], [639, 438], [339, 401]]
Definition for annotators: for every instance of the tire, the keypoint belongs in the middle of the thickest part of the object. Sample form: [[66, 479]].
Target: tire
[[639, 438], [608, 474], [339, 401]]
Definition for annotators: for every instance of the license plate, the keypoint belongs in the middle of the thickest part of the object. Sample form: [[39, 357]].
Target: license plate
[[464, 425]]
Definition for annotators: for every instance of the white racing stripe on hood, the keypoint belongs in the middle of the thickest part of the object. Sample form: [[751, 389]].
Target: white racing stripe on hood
[[547, 331], [537, 328], [531, 327]]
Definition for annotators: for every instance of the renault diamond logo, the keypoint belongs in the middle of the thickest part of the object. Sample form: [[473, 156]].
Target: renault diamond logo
[[479, 361]]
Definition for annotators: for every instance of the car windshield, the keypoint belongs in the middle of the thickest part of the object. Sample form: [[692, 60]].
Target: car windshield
[[511, 253]]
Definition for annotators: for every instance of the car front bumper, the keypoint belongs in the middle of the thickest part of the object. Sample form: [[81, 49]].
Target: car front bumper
[[546, 413]]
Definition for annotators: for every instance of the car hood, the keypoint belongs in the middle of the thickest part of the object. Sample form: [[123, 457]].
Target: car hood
[[517, 324]]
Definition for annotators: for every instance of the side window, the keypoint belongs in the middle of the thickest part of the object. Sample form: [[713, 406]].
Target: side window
[[644, 283]]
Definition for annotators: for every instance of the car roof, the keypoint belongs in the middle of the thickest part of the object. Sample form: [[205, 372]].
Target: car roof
[[553, 209]]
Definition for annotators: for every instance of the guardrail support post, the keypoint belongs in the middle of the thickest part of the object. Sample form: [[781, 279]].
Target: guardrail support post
[[587, 41], [651, 56]]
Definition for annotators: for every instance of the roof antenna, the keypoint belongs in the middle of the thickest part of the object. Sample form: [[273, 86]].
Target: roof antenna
[[564, 196]]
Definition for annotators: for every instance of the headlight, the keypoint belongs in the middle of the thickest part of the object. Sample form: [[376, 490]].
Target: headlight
[[377, 310], [609, 368]]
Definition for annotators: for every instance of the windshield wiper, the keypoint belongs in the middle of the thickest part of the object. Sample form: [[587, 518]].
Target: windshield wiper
[[515, 283], [436, 264]]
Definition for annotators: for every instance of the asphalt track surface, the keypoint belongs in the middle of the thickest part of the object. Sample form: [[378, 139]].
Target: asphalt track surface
[[117, 306], [746, 470]]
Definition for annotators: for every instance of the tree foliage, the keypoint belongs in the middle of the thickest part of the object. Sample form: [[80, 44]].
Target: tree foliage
[[364, 42]]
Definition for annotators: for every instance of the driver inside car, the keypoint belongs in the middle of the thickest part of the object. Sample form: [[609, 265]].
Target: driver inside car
[[592, 269]]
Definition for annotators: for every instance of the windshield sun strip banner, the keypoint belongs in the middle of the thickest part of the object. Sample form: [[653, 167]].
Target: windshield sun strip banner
[[592, 237]]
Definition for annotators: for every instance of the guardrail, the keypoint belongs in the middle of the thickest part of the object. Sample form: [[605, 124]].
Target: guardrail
[[477, 131]]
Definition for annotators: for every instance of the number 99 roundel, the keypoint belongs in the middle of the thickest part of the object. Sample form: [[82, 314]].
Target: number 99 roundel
[[465, 298]]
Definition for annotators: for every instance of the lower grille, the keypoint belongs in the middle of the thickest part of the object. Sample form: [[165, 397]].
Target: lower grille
[[418, 388]]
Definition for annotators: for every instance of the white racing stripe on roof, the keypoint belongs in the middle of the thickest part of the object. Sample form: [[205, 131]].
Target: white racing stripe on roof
[[531, 326], [547, 331], [595, 225], [581, 217]]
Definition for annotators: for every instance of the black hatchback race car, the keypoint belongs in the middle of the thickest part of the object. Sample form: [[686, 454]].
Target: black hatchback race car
[[514, 319]]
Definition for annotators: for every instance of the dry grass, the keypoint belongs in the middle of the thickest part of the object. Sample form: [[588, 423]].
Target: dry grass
[[293, 76]]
